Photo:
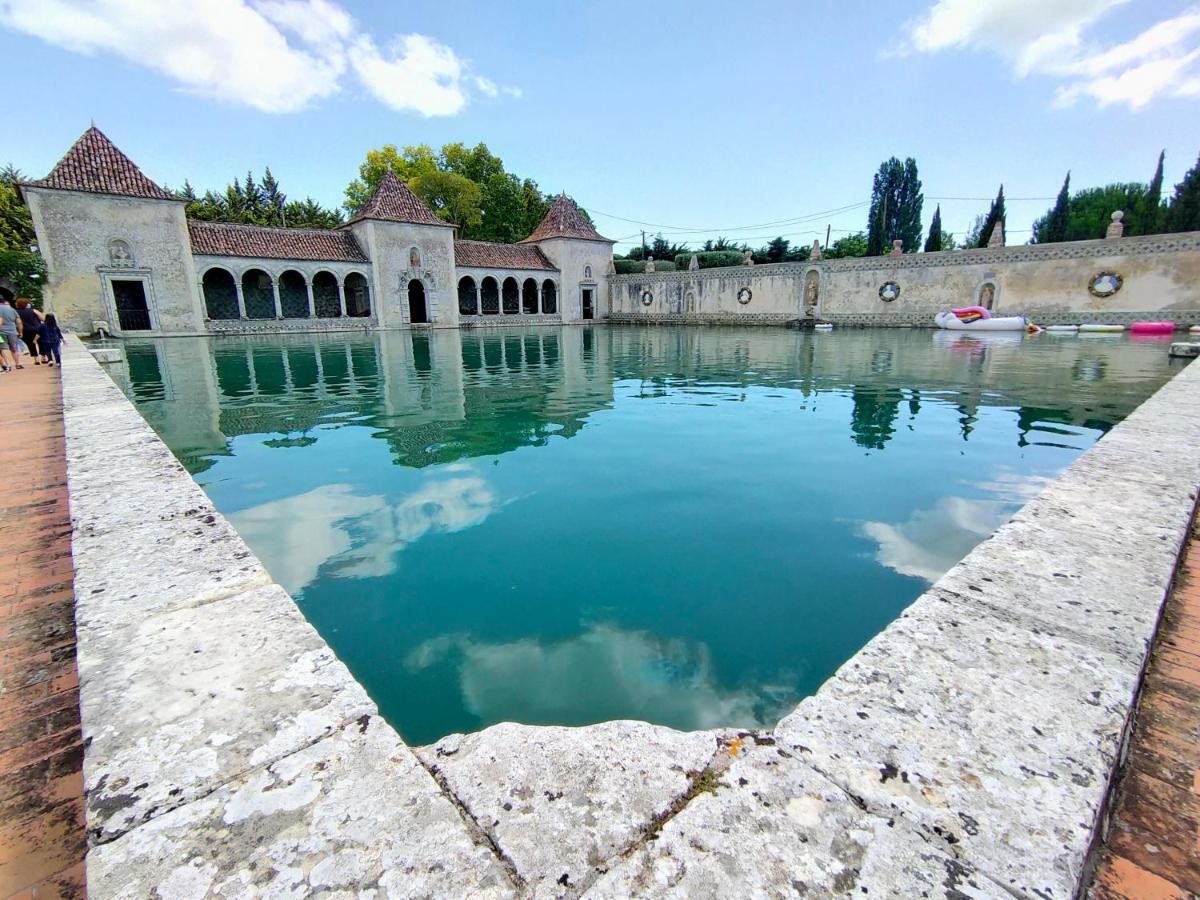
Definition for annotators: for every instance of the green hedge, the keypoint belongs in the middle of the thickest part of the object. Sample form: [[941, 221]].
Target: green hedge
[[713, 259], [637, 266]]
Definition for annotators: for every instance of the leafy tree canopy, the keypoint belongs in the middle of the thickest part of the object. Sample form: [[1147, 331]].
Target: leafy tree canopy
[[850, 245], [1088, 212], [896, 201], [261, 202]]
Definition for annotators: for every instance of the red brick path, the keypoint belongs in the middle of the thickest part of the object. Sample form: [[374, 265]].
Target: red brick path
[[1152, 848], [42, 842]]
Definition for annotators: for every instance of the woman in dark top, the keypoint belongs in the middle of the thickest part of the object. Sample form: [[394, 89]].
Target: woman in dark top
[[30, 323], [50, 338]]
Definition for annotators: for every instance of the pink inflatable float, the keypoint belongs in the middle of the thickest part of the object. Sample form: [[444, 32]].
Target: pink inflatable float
[[1152, 328]]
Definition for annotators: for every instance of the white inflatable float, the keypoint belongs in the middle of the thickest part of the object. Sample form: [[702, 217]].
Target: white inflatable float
[[1097, 328], [1062, 329], [823, 326], [951, 322]]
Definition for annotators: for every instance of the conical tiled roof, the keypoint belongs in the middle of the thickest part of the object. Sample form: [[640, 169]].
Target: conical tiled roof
[[94, 164], [564, 220], [394, 202]]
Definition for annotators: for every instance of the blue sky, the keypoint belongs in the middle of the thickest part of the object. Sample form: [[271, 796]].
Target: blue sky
[[681, 114]]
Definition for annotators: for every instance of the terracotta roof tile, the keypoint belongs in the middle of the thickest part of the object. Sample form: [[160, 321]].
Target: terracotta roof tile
[[486, 255], [394, 202], [224, 239], [94, 164], [564, 220]]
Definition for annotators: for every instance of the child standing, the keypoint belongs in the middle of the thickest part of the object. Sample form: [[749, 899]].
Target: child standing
[[50, 338]]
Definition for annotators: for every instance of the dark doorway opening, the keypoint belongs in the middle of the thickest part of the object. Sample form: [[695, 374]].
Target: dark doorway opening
[[418, 312], [588, 312], [132, 312]]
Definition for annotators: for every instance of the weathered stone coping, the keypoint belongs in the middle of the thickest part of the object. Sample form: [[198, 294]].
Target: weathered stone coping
[[966, 751]]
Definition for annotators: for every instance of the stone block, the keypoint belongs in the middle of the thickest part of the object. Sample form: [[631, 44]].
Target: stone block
[[107, 354]]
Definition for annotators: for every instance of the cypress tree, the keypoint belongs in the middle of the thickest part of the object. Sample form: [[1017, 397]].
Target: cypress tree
[[896, 202], [1053, 228], [1149, 212], [995, 214], [1184, 213], [933, 243]]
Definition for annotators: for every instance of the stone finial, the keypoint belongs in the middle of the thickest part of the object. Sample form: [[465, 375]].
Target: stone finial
[[694, 263], [816, 251], [612, 267], [649, 263], [1116, 228], [747, 258], [997, 238], [897, 247]]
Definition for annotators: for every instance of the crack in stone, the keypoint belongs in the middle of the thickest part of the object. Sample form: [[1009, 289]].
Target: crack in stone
[[479, 834], [99, 840]]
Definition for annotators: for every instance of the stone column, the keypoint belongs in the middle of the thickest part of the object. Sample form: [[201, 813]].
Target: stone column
[[241, 298], [478, 298], [275, 296], [312, 302], [541, 301], [341, 298]]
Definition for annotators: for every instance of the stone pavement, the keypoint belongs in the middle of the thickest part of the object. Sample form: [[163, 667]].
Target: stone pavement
[[42, 840], [1152, 849]]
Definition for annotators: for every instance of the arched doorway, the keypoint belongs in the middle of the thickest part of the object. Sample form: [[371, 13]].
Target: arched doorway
[[529, 297], [468, 301], [358, 295], [325, 296], [490, 292], [220, 294], [418, 311], [549, 297], [293, 295], [258, 291], [511, 296]]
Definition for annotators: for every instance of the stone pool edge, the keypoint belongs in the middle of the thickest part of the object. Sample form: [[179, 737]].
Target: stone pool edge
[[172, 607]]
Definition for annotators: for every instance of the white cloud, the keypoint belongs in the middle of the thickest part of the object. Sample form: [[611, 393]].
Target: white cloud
[[1048, 38], [278, 56]]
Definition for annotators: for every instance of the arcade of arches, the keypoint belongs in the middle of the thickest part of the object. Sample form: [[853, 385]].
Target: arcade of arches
[[489, 297], [259, 295]]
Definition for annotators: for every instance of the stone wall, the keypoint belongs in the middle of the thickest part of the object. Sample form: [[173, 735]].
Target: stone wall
[[1160, 279], [389, 246], [78, 235]]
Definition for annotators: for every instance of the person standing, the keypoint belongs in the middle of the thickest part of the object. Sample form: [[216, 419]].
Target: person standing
[[50, 338], [31, 321], [10, 327]]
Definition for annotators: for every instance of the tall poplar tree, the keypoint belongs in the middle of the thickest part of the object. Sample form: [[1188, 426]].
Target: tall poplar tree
[[1053, 229], [933, 243], [995, 214], [1148, 215], [896, 201]]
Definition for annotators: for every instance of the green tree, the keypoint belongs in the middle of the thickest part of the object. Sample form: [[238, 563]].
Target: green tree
[[1147, 217], [455, 198], [1184, 212], [896, 202], [988, 225], [850, 245], [933, 243], [1052, 227], [1089, 212], [16, 227]]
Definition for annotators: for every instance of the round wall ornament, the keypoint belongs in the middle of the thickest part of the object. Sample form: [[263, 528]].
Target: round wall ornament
[[647, 298], [744, 296], [1105, 284], [889, 291]]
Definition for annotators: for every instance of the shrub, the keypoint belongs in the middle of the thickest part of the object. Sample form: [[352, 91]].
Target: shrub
[[637, 266], [712, 259]]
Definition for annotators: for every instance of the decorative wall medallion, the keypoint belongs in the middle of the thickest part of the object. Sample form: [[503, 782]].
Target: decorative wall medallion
[[889, 291], [119, 255], [1105, 284], [647, 298], [744, 296]]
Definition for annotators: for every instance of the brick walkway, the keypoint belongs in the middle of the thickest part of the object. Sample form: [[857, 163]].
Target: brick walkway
[[1153, 845], [42, 840]]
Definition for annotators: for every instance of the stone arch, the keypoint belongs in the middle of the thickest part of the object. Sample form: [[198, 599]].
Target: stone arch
[[689, 301], [549, 296], [293, 295], [325, 295], [529, 297], [358, 295], [258, 293], [490, 295], [468, 298], [418, 303], [220, 293], [510, 296]]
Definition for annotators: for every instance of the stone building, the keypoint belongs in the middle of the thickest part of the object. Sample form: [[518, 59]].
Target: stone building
[[120, 250]]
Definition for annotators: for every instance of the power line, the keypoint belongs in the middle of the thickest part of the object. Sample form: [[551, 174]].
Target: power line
[[718, 229]]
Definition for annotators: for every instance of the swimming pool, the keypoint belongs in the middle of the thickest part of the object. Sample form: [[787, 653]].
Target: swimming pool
[[691, 526]]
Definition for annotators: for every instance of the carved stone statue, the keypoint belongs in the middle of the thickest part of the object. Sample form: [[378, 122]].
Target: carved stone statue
[[747, 258], [810, 290], [414, 258], [119, 255], [649, 263], [897, 247], [816, 252], [1117, 228], [694, 263], [987, 295], [997, 238]]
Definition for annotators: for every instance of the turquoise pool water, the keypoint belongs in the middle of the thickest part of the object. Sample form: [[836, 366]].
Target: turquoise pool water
[[689, 526]]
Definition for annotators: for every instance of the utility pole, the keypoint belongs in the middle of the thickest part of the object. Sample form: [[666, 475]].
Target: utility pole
[[827, 228], [643, 243]]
